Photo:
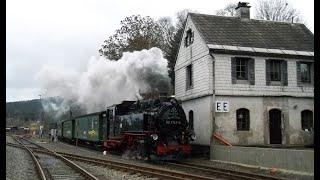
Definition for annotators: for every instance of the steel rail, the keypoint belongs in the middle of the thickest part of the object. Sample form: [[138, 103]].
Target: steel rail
[[230, 174], [155, 172], [225, 172]]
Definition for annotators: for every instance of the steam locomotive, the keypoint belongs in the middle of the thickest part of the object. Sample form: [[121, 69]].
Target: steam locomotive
[[155, 129]]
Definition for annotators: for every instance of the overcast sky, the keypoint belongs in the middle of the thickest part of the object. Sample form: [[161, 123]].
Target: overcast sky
[[66, 33]]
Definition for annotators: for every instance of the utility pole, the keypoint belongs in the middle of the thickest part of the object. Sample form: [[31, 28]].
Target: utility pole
[[40, 110], [41, 119]]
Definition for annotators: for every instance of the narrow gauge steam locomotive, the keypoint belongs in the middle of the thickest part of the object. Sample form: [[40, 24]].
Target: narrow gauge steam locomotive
[[151, 128]]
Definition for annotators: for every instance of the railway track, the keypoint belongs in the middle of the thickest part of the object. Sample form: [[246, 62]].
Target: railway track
[[225, 173], [128, 167], [51, 165], [192, 171]]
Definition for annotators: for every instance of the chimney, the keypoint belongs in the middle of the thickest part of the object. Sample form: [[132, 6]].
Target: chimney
[[243, 10]]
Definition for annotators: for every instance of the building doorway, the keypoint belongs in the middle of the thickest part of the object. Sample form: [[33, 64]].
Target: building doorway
[[275, 126]]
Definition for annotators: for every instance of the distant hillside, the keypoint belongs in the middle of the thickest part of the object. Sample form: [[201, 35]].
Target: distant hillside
[[32, 110], [26, 110]]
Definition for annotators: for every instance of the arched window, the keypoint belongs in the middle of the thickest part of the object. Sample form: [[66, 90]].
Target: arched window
[[191, 119], [306, 120], [243, 119]]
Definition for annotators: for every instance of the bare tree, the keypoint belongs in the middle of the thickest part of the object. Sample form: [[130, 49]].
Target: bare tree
[[167, 30], [277, 10], [228, 10]]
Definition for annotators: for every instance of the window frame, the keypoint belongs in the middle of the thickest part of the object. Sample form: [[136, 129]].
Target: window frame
[[189, 38], [243, 68], [309, 72], [189, 77], [272, 68], [307, 123], [190, 116], [243, 124]]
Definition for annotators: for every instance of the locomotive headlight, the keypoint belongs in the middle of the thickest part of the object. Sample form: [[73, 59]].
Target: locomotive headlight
[[193, 136], [154, 137]]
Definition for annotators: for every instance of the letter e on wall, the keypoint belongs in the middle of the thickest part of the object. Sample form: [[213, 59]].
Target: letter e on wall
[[222, 106]]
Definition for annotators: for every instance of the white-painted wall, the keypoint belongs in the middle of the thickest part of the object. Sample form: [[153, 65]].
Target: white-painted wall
[[224, 86], [196, 54], [202, 116]]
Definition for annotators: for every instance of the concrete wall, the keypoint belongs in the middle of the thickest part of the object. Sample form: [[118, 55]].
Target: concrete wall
[[226, 124], [295, 134], [290, 159], [202, 117], [259, 107]]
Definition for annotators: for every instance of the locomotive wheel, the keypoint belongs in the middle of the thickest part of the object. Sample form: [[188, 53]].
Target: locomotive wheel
[[140, 150]]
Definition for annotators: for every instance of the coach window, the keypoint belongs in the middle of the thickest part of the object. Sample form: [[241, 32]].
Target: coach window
[[191, 119], [307, 120], [243, 119]]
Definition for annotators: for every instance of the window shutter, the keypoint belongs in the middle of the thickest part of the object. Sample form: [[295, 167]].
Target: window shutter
[[251, 74], [312, 73], [284, 73], [298, 74], [268, 67], [233, 70], [185, 41]]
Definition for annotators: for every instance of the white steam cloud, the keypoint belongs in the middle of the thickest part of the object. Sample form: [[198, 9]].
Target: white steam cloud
[[106, 82]]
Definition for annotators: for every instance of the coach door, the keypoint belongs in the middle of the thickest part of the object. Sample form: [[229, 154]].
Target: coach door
[[275, 126], [111, 123], [107, 123]]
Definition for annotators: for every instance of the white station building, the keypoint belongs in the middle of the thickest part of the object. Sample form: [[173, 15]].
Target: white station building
[[248, 81]]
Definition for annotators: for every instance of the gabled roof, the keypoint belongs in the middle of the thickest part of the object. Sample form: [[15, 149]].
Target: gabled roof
[[232, 31]]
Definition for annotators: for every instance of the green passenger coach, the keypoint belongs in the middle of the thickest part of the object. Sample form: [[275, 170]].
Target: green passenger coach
[[68, 129], [90, 127]]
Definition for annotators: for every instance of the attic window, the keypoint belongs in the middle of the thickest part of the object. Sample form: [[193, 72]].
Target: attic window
[[189, 38]]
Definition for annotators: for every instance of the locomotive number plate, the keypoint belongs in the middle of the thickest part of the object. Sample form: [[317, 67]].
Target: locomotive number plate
[[172, 122]]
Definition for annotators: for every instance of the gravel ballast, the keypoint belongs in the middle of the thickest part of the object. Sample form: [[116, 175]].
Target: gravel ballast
[[19, 164], [9, 139]]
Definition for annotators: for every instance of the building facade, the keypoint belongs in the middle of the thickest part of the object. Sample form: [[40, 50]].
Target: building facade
[[250, 81]]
